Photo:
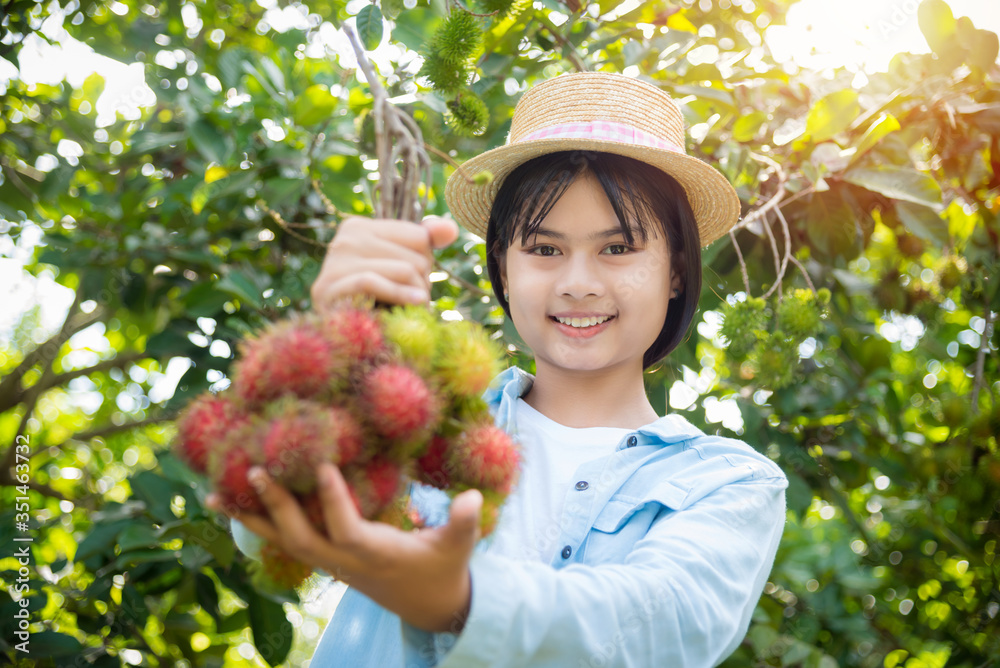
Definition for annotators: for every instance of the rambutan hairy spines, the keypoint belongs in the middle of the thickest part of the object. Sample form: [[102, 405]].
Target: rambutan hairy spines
[[303, 434], [485, 457], [458, 37], [434, 466], [355, 332], [376, 483], [412, 331], [290, 357], [203, 425], [398, 402], [229, 468], [468, 360]]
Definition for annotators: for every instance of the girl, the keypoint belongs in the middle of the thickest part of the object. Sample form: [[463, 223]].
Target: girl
[[630, 539]]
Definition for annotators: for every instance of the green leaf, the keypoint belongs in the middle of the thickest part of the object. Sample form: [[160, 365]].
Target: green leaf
[[100, 540], [239, 285], [315, 105], [49, 644], [832, 115], [369, 23], [209, 141], [898, 183], [136, 536], [272, 632], [156, 492], [882, 126], [923, 222], [746, 127], [937, 23]]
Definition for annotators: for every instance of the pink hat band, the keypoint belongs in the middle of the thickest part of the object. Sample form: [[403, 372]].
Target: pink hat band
[[602, 130]]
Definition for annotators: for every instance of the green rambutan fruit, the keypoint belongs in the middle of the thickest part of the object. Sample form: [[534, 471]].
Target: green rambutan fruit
[[776, 361], [458, 37], [489, 514], [467, 359], [741, 323], [468, 114], [413, 331], [447, 78], [799, 314]]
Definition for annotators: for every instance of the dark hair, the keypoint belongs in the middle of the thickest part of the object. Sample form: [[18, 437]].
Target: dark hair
[[636, 191]]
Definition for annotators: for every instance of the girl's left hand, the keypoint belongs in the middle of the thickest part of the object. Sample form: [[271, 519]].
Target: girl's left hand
[[421, 575]]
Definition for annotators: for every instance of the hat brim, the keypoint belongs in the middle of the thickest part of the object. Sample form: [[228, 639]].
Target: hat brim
[[714, 201]]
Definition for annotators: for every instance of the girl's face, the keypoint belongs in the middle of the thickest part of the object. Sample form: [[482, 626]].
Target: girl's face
[[578, 270]]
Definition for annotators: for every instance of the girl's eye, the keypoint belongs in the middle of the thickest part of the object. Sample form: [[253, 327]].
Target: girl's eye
[[618, 249], [544, 251]]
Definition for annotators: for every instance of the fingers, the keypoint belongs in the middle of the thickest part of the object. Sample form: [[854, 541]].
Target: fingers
[[296, 534], [443, 231], [343, 521], [369, 283], [463, 519], [255, 523]]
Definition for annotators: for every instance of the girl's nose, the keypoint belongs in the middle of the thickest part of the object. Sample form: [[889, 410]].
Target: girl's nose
[[580, 278]]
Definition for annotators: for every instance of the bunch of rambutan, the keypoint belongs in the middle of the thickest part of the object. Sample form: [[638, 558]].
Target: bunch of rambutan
[[389, 396]]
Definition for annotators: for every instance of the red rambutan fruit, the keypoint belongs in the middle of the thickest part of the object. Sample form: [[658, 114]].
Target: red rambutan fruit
[[485, 457], [301, 435], [229, 468], [280, 570], [355, 332], [433, 466], [203, 425], [376, 484], [289, 357], [398, 403]]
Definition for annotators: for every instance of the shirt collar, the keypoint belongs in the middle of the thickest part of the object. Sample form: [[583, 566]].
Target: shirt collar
[[514, 382]]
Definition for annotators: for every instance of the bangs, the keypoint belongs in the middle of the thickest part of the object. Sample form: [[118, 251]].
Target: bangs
[[535, 187]]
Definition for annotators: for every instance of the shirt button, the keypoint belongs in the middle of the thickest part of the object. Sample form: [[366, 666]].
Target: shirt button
[[632, 440], [566, 551], [582, 485]]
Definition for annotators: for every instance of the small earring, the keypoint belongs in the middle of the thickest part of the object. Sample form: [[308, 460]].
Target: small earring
[[677, 293], [506, 296]]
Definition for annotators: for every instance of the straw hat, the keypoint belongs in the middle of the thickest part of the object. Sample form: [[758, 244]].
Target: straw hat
[[597, 111]]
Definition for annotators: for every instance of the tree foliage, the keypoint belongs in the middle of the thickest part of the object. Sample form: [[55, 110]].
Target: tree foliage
[[864, 270]]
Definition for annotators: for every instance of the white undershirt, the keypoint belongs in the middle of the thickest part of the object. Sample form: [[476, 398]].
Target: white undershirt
[[529, 525]]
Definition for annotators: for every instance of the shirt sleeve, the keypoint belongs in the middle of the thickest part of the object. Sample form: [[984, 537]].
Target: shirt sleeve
[[682, 597]]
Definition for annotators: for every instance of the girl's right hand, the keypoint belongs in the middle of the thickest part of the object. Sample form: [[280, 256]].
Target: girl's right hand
[[390, 260]]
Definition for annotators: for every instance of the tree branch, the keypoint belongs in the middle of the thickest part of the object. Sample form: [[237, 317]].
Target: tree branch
[[568, 49], [107, 430]]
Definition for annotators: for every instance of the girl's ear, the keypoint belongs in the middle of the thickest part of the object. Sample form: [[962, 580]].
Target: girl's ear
[[676, 282]]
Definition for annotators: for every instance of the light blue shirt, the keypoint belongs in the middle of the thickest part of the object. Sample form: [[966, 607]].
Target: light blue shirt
[[665, 554]]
